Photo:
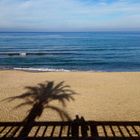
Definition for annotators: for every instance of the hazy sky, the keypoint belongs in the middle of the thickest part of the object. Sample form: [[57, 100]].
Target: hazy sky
[[69, 15]]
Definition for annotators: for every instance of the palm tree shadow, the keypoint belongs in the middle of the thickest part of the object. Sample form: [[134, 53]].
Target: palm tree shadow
[[40, 97]]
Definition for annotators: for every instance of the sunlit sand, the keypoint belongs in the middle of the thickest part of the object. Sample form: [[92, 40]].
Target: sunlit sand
[[101, 95]]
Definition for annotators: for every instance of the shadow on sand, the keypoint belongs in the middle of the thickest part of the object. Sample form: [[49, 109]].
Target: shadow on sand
[[72, 130], [40, 97]]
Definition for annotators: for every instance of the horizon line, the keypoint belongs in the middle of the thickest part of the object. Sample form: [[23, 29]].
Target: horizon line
[[68, 31]]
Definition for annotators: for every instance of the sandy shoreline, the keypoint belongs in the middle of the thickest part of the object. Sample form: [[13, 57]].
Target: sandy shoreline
[[102, 95]]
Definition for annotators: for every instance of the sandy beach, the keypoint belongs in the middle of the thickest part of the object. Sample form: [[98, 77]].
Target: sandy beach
[[101, 95]]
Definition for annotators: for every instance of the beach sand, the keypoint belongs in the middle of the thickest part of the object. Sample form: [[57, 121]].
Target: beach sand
[[101, 95]]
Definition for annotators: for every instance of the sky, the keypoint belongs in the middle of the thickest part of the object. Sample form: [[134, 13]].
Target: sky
[[69, 15]]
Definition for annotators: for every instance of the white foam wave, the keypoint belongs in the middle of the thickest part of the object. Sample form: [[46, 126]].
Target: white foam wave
[[42, 69]]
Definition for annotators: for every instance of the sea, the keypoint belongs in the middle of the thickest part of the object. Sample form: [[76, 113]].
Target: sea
[[70, 51]]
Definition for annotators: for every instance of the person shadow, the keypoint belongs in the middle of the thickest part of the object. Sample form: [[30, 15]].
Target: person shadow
[[39, 98], [79, 126]]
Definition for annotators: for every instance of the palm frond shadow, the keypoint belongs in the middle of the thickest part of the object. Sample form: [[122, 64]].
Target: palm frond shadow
[[39, 98]]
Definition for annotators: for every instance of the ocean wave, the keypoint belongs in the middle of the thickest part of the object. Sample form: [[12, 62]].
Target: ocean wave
[[42, 69], [34, 53]]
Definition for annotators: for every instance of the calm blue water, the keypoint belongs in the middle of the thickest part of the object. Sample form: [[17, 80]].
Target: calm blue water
[[87, 51]]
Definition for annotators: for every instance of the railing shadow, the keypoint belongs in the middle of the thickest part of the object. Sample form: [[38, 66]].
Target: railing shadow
[[76, 129]]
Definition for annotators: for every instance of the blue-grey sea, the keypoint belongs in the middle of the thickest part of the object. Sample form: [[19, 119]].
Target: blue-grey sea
[[70, 51]]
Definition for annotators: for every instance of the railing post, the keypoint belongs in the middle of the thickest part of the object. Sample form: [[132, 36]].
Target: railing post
[[93, 129]]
